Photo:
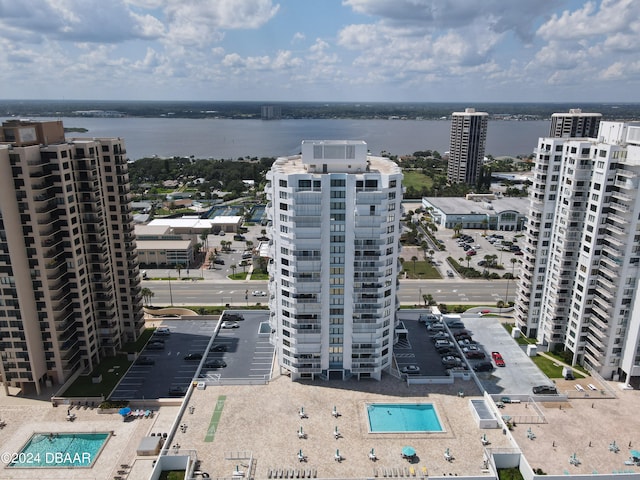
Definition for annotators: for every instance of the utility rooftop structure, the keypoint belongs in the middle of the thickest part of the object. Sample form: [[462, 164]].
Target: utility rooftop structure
[[68, 262], [335, 213], [579, 286]]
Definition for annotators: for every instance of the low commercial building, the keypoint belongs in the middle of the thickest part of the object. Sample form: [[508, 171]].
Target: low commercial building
[[480, 212], [160, 246]]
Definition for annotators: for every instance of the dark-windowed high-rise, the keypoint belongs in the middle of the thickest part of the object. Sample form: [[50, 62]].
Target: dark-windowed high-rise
[[468, 139], [68, 264], [574, 124]]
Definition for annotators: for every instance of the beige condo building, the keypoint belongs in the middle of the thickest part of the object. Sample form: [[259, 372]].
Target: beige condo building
[[69, 275]]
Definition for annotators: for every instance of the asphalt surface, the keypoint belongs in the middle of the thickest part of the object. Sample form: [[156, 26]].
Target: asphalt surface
[[248, 355]]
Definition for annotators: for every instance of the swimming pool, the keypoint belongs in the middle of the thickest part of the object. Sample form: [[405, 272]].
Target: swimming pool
[[403, 417], [52, 450]]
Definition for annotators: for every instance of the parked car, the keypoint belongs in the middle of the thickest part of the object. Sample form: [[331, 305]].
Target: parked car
[[483, 367], [259, 293], [230, 325], [145, 361], [435, 327], [232, 316], [219, 348], [444, 343], [410, 369], [177, 391], [428, 318], [218, 261], [471, 253], [461, 333], [215, 364], [519, 252], [456, 324], [449, 273], [155, 346], [239, 238], [445, 351], [193, 356], [545, 390], [451, 361], [440, 336], [497, 358], [162, 331], [474, 354]]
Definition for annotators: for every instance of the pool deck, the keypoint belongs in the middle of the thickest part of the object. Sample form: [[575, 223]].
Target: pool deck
[[261, 422]]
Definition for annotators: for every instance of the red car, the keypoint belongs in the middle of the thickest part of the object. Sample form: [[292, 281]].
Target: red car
[[497, 358]]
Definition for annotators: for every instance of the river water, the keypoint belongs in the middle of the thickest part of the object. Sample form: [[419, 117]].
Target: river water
[[232, 139]]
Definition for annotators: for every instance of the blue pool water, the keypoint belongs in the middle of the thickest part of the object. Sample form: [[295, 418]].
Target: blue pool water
[[51, 450], [403, 417]]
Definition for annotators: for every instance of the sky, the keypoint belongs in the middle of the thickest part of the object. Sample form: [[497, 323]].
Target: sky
[[321, 50]]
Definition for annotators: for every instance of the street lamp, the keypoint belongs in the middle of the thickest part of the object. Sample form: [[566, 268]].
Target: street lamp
[[170, 291]]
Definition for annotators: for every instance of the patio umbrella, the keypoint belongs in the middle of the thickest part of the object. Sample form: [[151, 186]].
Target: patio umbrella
[[125, 411], [408, 451]]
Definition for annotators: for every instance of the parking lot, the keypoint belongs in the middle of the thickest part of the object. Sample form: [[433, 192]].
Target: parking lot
[[484, 335], [163, 371]]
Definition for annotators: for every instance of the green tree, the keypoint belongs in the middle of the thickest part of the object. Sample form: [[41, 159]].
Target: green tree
[[147, 295], [179, 268], [414, 259], [233, 268], [204, 236]]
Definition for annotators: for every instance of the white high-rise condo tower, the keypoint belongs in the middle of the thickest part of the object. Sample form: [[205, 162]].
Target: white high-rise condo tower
[[335, 213], [578, 289]]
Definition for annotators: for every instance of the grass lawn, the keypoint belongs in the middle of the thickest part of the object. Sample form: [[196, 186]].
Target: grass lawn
[[423, 270], [548, 367], [259, 276], [416, 180], [111, 369]]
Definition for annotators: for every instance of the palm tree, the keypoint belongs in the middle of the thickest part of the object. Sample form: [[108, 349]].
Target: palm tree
[[414, 259], [147, 294], [179, 268], [513, 267], [204, 236], [244, 265], [233, 268], [428, 299]]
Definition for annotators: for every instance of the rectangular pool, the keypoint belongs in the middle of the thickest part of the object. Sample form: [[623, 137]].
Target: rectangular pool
[[54, 450], [403, 418]]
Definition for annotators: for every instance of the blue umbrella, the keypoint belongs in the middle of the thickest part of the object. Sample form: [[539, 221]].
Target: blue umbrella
[[125, 411], [408, 451], [635, 453]]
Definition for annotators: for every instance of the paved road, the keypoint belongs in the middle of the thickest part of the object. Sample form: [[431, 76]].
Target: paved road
[[216, 292]]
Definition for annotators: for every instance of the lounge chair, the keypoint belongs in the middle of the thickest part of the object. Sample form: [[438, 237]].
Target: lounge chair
[[372, 456], [579, 387], [592, 387]]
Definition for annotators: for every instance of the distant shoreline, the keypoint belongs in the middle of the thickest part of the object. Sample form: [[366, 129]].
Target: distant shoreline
[[305, 110]]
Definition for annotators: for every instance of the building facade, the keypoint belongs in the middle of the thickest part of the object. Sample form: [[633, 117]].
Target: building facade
[[468, 141], [68, 267], [575, 124], [579, 282], [335, 228]]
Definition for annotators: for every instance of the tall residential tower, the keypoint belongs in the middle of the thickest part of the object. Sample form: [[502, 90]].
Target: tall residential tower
[[68, 264], [579, 283], [468, 139], [574, 124], [335, 214]]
